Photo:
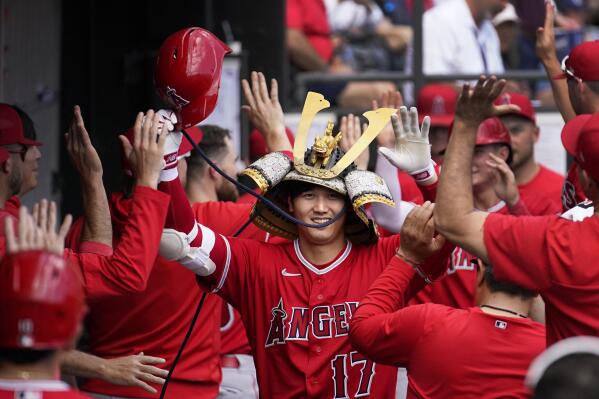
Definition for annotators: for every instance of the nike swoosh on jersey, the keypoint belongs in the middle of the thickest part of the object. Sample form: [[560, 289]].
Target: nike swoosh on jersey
[[285, 273]]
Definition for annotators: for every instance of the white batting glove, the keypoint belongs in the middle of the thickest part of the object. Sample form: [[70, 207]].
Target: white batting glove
[[412, 152]]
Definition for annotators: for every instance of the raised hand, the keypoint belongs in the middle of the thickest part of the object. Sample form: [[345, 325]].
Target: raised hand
[[265, 112], [412, 152], [505, 181], [350, 133], [545, 43], [418, 239], [390, 99], [167, 121], [476, 104], [37, 231], [145, 154], [81, 151]]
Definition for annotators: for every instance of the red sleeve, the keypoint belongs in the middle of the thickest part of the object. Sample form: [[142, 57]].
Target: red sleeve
[[380, 323], [518, 249], [128, 268], [294, 15]]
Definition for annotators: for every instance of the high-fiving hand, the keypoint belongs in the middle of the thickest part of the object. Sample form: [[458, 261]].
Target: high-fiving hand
[[412, 152], [476, 104]]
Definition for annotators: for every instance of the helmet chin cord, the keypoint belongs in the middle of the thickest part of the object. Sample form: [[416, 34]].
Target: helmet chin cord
[[274, 207]]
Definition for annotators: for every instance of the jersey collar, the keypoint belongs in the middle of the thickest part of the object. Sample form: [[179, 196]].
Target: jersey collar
[[327, 269]]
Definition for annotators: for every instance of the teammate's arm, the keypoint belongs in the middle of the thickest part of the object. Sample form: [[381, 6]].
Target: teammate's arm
[[455, 216], [545, 49], [135, 370], [97, 227], [381, 321]]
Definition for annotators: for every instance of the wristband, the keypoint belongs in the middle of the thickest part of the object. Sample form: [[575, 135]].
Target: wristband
[[424, 174], [415, 265]]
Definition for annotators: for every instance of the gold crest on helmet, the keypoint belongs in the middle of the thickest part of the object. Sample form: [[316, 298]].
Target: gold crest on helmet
[[324, 164]]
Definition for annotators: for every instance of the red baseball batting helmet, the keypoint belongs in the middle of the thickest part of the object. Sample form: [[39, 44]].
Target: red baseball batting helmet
[[187, 75], [42, 301], [492, 131]]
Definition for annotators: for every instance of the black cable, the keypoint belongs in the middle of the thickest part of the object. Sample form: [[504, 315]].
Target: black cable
[[183, 344]]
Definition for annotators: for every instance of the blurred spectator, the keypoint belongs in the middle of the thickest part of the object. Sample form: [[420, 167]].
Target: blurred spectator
[[460, 38], [568, 369], [311, 48], [367, 39], [506, 24]]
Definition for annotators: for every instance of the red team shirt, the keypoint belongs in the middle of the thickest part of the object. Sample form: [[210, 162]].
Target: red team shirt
[[449, 353], [155, 321], [40, 389], [297, 314], [458, 288], [310, 17], [542, 195], [557, 258], [107, 273]]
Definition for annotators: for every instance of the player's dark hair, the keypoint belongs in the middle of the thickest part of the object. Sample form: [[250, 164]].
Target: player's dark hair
[[28, 126], [503, 286], [24, 356], [572, 376], [213, 144]]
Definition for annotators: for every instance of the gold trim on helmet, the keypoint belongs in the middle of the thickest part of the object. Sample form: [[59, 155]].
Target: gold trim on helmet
[[326, 165]]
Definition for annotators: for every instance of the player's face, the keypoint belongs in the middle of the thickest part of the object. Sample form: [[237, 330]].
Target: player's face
[[524, 135], [226, 191], [482, 174], [315, 206], [30, 165], [438, 138]]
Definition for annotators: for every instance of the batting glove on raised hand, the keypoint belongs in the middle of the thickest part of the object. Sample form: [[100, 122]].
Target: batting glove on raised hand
[[412, 152], [168, 119]]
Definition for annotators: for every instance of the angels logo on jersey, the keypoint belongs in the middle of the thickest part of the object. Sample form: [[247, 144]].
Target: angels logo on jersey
[[325, 321], [460, 260]]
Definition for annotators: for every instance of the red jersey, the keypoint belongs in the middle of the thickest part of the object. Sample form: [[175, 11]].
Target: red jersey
[[125, 270], [38, 389], [310, 17], [458, 288], [542, 195], [449, 353], [227, 218], [555, 257], [572, 193], [155, 321], [297, 314]]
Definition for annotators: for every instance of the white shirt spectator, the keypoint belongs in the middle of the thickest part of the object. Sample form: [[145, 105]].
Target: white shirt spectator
[[454, 44], [348, 15]]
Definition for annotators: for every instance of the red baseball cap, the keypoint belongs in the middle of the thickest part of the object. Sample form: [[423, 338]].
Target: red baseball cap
[[258, 147], [582, 62], [526, 109], [580, 137], [11, 128], [438, 102]]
